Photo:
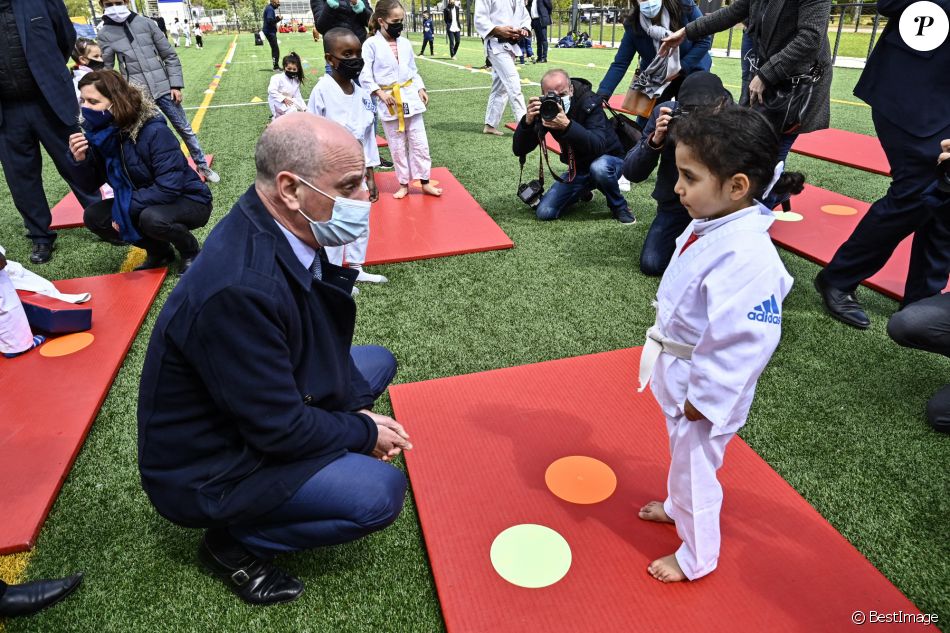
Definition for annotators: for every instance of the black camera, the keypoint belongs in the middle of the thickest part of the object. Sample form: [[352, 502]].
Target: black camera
[[551, 106], [531, 193]]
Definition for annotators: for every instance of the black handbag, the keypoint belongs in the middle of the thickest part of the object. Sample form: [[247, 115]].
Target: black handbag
[[627, 129], [786, 103]]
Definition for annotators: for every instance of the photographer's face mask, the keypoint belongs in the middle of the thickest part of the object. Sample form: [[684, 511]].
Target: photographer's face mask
[[348, 222]]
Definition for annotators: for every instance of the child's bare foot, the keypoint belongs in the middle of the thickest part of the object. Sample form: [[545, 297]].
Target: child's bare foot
[[402, 193], [654, 511], [666, 569], [490, 130], [431, 189]]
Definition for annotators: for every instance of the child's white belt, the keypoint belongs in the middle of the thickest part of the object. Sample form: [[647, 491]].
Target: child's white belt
[[655, 345]]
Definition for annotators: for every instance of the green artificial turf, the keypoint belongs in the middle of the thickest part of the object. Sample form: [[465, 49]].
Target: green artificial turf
[[839, 413]]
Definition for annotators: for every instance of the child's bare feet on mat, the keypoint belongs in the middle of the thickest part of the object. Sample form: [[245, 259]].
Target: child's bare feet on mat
[[666, 569], [654, 511], [402, 193], [490, 130], [432, 190]]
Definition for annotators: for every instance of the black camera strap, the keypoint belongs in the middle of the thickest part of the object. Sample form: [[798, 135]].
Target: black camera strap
[[543, 158]]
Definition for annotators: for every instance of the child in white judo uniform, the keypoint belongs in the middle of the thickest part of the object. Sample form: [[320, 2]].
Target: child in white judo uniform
[[16, 337], [718, 318], [87, 57], [283, 92], [339, 98], [390, 74]]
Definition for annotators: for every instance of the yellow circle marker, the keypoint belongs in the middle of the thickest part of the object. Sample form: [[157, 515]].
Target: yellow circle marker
[[839, 209], [531, 556], [788, 216], [580, 479], [66, 345]]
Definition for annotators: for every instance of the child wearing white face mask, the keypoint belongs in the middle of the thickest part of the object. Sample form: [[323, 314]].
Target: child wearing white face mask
[[339, 98]]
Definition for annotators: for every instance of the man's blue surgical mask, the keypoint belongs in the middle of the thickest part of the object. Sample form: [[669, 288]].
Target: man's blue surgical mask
[[348, 222], [651, 8], [566, 102]]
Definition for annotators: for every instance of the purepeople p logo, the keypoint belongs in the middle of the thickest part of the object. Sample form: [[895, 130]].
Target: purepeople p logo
[[924, 26]]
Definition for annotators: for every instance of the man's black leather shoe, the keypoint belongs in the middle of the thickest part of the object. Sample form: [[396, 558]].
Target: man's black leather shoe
[[157, 261], [842, 305], [186, 263], [41, 252], [30, 597], [253, 580]]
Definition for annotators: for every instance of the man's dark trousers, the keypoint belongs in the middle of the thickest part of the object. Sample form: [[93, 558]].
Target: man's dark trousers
[[26, 124], [541, 34], [895, 216], [274, 48]]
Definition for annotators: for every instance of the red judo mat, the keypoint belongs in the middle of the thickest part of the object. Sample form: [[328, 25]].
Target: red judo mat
[[483, 444], [67, 213], [423, 227], [828, 220], [845, 148], [553, 145], [381, 142], [50, 401]]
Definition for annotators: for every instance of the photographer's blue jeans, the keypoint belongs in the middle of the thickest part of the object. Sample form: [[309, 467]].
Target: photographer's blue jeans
[[658, 247], [603, 175], [179, 120]]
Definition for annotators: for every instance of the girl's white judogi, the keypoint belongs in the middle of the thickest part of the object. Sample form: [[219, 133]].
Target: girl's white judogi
[[282, 87], [718, 322], [404, 126], [15, 333], [355, 112], [505, 83]]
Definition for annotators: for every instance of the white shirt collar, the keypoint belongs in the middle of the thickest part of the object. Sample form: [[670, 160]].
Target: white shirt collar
[[304, 252]]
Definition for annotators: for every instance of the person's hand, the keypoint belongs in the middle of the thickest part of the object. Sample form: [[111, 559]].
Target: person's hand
[[507, 33], [288, 102], [372, 188], [756, 91], [424, 96], [944, 151], [387, 98], [671, 42], [115, 225], [662, 126], [692, 413], [558, 123], [525, 33], [391, 438], [534, 109], [78, 146], [176, 95]]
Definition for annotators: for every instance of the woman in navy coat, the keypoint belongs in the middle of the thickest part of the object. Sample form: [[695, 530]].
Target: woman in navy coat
[[158, 199]]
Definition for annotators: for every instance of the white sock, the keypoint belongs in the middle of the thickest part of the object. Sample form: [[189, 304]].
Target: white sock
[[624, 183], [370, 277]]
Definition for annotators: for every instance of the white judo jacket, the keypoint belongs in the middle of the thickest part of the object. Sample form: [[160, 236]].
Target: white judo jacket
[[492, 13], [723, 296], [402, 79]]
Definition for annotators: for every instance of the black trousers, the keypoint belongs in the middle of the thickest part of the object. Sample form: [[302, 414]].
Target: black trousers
[[455, 39], [541, 39], [925, 325], [159, 226], [27, 125], [898, 214], [274, 48], [428, 41]]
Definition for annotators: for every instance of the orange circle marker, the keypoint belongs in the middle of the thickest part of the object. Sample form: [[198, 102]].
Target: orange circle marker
[[416, 183], [839, 209], [65, 345], [580, 479]]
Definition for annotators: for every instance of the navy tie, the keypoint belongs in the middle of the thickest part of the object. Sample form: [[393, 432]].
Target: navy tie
[[316, 268]]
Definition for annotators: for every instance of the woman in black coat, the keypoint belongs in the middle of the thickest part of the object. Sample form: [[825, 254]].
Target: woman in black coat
[[158, 199], [348, 14], [791, 37]]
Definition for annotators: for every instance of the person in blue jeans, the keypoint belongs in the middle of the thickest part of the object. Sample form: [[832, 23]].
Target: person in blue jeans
[[701, 88], [589, 147], [693, 55]]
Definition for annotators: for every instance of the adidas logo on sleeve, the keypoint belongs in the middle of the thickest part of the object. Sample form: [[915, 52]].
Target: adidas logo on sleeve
[[766, 312]]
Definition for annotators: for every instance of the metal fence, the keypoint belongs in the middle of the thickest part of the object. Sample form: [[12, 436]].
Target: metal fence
[[604, 26]]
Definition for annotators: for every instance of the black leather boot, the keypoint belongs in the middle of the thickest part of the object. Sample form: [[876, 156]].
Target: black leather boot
[[30, 597], [253, 580]]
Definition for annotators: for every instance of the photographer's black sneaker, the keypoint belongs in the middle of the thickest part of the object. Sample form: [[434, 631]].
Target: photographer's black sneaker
[[385, 164], [624, 216]]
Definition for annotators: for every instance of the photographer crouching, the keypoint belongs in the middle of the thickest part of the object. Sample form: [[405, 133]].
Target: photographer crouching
[[574, 116]]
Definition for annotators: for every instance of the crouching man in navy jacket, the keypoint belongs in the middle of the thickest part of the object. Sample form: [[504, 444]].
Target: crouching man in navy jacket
[[254, 420]]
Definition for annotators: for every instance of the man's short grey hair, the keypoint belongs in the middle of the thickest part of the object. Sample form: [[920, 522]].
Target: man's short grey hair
[[287, 148], [556, 71]]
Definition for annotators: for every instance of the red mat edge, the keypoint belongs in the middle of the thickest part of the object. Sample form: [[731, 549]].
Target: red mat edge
[[869, 170], [399, 388], [31, 542], [437, 255]]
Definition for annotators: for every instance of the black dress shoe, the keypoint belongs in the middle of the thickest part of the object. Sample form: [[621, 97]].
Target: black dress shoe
[[842, 305], [41, 252], [253, 580], [30, 597], [186, 263], [586, 195], [157, 261]]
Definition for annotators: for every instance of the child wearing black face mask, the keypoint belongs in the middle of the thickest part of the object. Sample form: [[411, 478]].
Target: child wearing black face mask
[[339, 98], [391, 76], [283, 93], [87, 57]]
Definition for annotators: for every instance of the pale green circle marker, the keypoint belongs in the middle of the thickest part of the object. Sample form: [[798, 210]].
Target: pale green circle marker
[[530, 555]]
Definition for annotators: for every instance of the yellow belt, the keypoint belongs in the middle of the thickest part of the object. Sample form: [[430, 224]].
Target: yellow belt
[[397, 95]]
